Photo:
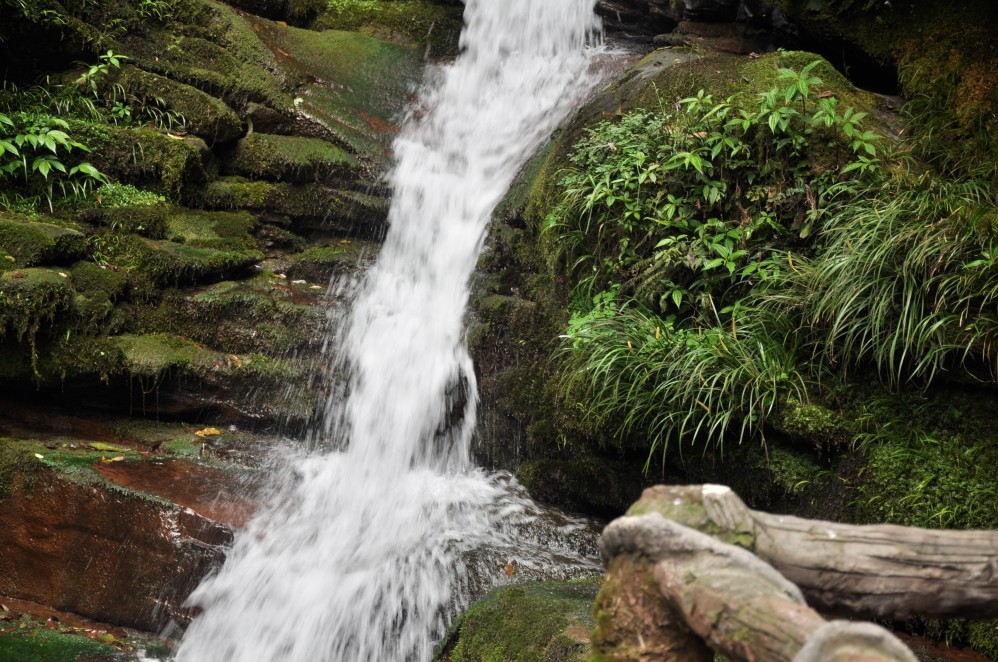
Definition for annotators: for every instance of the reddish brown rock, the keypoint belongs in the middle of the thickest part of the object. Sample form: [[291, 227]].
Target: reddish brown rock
[[103, 552]]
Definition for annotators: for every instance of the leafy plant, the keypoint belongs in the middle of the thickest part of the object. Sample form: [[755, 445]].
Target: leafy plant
[[32, 152], [682, 204]]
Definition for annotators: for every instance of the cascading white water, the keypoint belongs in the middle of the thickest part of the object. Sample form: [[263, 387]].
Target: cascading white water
[[371, 548]]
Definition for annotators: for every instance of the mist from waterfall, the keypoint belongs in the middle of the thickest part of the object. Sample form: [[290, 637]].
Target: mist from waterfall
[[367, 551]]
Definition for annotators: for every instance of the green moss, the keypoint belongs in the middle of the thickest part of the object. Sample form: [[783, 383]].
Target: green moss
[[170, 263], [214, 68], [292, 200], [421, 24], [154, 355], [35, 240], [814, 424], [40, 645], [31, 299], [125, 195], [289, 158], [146, 220], [218, 230], [251, 316], [930, 463], [14, 461], [793, 471], [318, 263], [205, 116], [539, 621], [143, 157]]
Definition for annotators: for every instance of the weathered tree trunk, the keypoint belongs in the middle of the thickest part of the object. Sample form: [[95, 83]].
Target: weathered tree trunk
[[872, 571], [738, 603]]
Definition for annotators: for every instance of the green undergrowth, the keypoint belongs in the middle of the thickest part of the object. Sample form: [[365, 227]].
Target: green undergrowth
[[930, 460]]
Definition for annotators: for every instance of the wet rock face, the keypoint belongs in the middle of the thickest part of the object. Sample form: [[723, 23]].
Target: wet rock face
[[658, 16], [104, 553]]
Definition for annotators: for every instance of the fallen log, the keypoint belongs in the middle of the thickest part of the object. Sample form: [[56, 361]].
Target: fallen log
[[737, 603], [868, 571]]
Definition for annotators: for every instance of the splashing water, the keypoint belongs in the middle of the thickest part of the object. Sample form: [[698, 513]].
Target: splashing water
[[368, 551]]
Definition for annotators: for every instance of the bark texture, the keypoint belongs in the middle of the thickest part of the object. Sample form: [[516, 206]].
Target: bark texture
[[867, 571], [739, 604]]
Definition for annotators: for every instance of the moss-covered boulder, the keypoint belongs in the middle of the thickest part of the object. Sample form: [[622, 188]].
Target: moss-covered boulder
[[27, 241], [215, 49], [205, 116], [145, 157], [289, 159], [268, 315], [308, 209], [318, 264], [30, 299], [172, 263], [353, 85], [524, 297], [532, 622]]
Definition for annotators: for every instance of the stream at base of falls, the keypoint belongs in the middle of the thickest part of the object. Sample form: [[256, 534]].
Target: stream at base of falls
[[366, 552]]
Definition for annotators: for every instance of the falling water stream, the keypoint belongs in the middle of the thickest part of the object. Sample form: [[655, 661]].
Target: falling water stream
[[368, 550]]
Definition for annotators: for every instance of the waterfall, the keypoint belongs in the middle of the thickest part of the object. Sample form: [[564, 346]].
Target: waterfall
[[368, 550]]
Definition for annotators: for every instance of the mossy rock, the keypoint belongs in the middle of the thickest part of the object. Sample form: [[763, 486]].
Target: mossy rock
[[318, 264], [30, 241], [212, 67], [145, 157], [205, 116], [249, 316], [227, 231], [531, 622], [98, 282], [289, 158], [171, 263], [146, 220], [154, 355], [429, 27], [355, 86], [305, 206], [30, 300]]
